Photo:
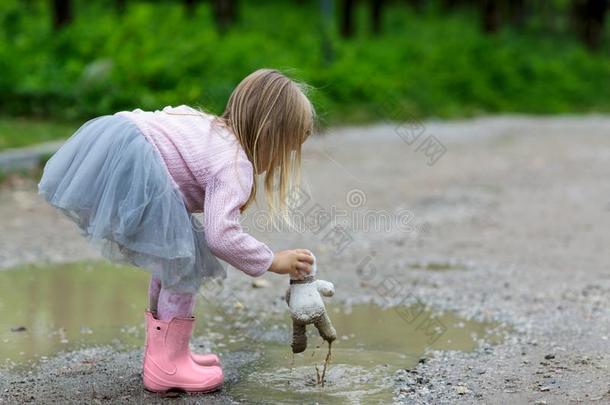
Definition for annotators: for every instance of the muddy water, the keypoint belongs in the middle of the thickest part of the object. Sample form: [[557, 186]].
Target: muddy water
[[44, 310], [373, 343]]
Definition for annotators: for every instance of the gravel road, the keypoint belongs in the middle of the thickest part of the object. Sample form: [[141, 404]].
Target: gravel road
[[510, 224]]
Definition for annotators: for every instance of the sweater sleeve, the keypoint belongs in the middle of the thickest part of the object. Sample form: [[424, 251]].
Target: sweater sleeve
[[225, 193]]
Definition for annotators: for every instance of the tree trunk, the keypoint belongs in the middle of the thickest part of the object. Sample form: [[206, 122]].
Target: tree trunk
[[347, 18], [225, 13], [326, 11], [417, 5], [449, 5], [189, 7], [62, 13], [376, 15], [490, 16], [120, 6], [518, 11], [590, 16]]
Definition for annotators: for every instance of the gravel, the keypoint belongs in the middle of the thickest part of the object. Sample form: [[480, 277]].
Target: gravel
[[513, 217]]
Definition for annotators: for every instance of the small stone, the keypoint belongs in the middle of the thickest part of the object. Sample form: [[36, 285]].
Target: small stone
[[545, 388], [461, 390], [422, 380], [260, 283], [549, 356], [540, 402]]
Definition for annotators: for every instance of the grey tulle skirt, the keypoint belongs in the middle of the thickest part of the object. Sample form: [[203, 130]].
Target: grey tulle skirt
[[111, 181]]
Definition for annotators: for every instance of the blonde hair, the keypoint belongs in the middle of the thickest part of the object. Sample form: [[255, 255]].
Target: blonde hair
[[271, 117]]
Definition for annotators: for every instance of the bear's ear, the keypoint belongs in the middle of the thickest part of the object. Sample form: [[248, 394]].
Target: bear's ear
[[326, 288]]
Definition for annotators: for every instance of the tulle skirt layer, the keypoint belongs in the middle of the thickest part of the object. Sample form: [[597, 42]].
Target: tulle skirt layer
[[110, 180]]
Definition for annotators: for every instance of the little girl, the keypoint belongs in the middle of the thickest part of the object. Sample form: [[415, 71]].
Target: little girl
[[132, 180]]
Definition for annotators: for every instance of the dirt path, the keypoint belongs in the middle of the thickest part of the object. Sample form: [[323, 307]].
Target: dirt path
[[510, 224]]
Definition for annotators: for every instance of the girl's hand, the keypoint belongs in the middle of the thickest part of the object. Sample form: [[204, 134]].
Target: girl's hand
[[297, 263]]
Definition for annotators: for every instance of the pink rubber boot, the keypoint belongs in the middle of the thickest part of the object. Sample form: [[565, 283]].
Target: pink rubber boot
[[168, 363], [208, 359]]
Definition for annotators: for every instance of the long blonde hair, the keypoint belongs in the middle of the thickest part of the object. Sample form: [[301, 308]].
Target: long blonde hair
[[271, 117]]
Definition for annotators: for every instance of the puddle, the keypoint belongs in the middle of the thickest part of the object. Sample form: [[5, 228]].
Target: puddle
[[48, 309], [373, 343], [67, 307]]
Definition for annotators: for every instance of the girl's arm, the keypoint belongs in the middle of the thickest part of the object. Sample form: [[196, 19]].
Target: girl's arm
[[225, 194]]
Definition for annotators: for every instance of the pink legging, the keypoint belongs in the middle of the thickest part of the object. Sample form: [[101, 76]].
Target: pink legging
[[169, 304]]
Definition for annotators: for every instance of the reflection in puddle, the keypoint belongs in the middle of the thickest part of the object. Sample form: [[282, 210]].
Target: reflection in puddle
[[349, 378], [44, 310], [65, 307], [373, 343]]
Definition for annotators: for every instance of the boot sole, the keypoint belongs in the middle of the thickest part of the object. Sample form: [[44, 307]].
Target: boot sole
[[161, 388]]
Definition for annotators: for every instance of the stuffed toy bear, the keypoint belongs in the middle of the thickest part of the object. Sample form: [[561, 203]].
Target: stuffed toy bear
[[306, 307]]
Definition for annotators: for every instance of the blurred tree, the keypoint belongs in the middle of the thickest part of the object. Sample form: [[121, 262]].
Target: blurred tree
[[417, 5], [225, 13], [490, 15], [450, 4], [347, 18], [190, 6], [62, 13], [493, 11], [517, 11], [326, 8], [376, 11], [588, 17], [120, 5]]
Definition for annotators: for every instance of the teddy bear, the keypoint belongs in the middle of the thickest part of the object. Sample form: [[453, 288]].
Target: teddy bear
[[304, 299]]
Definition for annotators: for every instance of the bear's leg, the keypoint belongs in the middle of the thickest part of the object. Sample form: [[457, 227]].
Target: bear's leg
[[325, 328], [299, 337]]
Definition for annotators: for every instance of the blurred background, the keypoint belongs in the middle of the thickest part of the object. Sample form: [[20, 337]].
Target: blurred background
[[502, 240], [64, 61]]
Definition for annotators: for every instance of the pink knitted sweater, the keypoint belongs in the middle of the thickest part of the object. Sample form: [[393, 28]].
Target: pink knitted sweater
[[212, 171]]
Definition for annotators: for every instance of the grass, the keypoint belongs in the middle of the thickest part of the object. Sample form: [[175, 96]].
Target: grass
[[16, 132]]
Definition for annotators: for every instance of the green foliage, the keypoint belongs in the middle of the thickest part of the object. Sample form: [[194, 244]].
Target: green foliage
[[432, 64]]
